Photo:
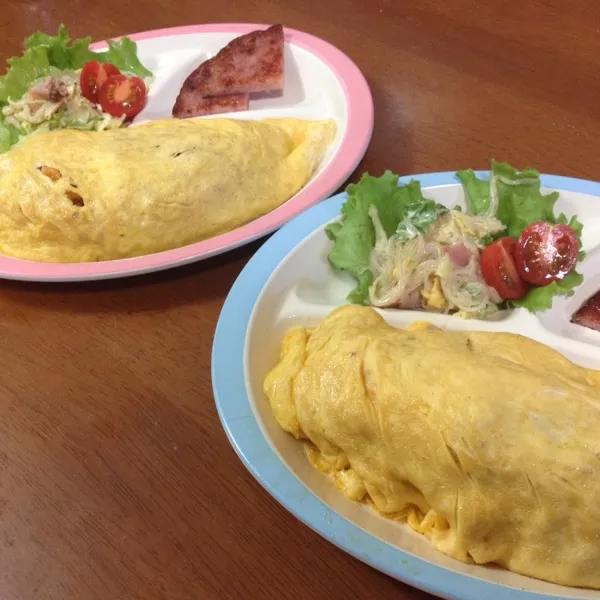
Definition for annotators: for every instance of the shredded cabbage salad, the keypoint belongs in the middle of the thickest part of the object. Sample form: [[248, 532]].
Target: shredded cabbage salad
[[407, 251], [41, 91], [56, 102]]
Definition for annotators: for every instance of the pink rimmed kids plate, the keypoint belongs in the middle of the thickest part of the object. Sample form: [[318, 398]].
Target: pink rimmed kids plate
[[320, 82]]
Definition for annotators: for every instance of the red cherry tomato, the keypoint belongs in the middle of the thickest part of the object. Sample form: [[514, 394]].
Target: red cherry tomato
[[546, 252], [121, 95], [499, 271], [93, 75]]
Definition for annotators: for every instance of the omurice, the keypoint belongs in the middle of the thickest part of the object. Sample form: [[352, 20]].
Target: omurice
[[486, 443], [80, 196]]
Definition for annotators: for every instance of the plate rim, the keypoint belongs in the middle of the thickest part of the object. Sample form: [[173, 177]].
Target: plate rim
[[245, 435], [354, 144]]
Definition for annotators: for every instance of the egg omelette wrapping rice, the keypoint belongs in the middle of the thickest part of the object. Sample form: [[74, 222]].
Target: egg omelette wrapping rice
[[77, 196], [487, 443]]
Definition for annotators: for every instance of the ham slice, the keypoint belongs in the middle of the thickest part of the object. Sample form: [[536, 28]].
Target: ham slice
[[459, 254], [249, 64], [589, 314], [199, 106]]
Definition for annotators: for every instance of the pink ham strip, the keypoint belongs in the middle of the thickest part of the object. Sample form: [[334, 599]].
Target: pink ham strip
[[199, 106], [589, 314]]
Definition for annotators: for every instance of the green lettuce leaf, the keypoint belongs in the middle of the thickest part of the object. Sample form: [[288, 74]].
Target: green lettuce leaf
[[477, 192], [521, 203], [46, 54], [22, 72], [9, 134], [574, 223], [420, 214], [123, 54], [360, 294], [540, 298], [577, 226], [39, 38], [401, 209], [56, 47], [354, 235]]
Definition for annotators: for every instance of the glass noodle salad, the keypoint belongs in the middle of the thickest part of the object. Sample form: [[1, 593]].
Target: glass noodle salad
[[506, 248], [438, 269]]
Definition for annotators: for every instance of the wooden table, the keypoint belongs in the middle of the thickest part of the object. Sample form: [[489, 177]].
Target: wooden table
[[117, 480]]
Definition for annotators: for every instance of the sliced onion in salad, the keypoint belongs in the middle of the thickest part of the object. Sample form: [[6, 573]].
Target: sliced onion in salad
[[405, 272]]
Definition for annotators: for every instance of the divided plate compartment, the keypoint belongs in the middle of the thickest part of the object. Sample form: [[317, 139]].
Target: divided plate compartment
[[320, 82], [311, 89], [304, 289]]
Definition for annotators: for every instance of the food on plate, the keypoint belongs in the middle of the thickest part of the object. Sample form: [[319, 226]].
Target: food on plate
[[486, 443], [111, 92], [122, 96], [93, 76], [499, 271], [55, 85], [249, 64], [507, 248], [546, 253], [75, 196], [589, 314], [194, 105]]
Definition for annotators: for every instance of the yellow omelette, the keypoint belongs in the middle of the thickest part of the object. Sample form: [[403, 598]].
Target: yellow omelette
[[75, 196], [487, 443]]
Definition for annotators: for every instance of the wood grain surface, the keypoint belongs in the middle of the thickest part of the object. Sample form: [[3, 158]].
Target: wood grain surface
[[116, 478]]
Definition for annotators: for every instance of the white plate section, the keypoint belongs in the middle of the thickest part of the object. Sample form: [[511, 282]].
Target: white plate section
[[311, 89]]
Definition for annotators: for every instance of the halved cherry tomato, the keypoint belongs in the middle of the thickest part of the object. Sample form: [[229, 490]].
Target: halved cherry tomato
[[121, 95], [546, 252], [93, 75], [499, 271]]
